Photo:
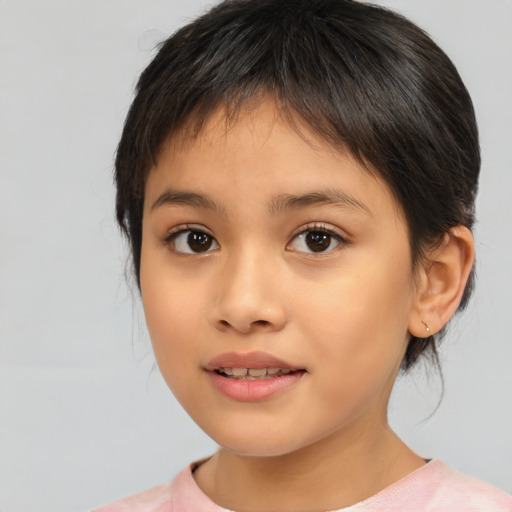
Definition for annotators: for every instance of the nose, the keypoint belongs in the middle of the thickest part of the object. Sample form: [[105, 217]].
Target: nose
[[249, 297]]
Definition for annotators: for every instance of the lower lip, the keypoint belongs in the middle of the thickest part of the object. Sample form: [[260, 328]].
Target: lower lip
[[254, 390]]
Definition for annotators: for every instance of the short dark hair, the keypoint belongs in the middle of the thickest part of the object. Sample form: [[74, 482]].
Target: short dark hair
[[362, 77]]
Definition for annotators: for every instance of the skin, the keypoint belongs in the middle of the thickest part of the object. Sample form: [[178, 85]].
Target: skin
[[343, 314]]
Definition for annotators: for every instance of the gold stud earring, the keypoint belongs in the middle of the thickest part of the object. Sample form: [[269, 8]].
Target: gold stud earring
[[427, 328]]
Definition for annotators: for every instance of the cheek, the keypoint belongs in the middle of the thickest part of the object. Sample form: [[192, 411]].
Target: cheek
[[174, 337], [171, 311], [359, 338], [361, 317]]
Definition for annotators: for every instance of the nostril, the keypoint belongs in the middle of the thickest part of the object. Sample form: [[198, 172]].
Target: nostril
[[246, 328]]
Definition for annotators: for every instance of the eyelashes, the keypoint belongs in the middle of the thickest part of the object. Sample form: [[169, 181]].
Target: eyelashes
[[190, 239], [315, 238]]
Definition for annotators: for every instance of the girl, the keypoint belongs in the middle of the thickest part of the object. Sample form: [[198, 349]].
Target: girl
[[297, 183]]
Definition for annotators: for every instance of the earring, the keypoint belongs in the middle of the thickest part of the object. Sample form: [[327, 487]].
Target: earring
[[427, 328]]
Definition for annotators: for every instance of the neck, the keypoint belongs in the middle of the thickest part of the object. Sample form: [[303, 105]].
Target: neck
[[331, 474]]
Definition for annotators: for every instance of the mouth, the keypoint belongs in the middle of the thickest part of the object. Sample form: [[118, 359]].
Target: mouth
[[252, 376], [254, 373], [251, 366]]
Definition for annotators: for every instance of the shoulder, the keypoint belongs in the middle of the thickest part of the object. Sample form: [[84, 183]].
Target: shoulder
[[157, 499], [470, 493], [180, 495], [437, 488]]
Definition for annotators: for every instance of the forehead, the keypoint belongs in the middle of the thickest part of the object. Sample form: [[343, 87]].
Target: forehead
[[262, 153]]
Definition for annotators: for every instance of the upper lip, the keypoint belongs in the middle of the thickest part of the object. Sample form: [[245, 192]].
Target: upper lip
[[248, 360]]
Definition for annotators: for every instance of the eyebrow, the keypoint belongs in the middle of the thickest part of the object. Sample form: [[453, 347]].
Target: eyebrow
[[174, 197], [334, 197], [278, 204]]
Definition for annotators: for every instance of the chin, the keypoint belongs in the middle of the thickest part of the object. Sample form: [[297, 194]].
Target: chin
[[260, 444]]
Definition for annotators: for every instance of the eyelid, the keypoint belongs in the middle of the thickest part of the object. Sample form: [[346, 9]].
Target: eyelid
[[323, 227], [185, 227], [172, 240]]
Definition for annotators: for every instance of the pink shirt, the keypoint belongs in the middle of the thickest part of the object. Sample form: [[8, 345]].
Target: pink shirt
[[433, 487]]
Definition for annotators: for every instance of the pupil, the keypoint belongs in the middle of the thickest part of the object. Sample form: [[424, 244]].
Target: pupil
[[199, 242], [318, 241]]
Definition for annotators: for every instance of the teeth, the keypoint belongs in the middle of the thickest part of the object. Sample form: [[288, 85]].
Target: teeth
[[254, 373], [257, 372]]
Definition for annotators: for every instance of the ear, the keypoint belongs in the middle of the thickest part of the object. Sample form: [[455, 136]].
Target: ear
[[441, 282]]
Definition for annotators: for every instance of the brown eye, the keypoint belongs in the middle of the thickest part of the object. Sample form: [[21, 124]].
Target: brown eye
[[193, 242], [318, 241], [199, 242]]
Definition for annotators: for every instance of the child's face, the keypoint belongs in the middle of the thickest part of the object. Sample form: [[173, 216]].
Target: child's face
[[259, 246]]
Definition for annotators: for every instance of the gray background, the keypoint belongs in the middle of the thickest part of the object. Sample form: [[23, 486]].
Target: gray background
[[84, 416]]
